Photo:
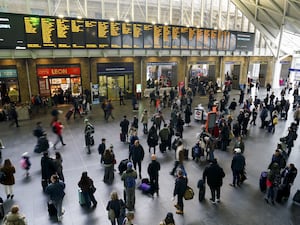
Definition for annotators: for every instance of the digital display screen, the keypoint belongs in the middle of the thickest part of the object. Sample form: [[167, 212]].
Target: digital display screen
[[157, 35], [33, 31], [148, 35], [175, 37], [138, 35], [167, 37], [126, 35], [49, 35], [91, 33], [63, 33], [115, 35], [103, 34], [78, 33]]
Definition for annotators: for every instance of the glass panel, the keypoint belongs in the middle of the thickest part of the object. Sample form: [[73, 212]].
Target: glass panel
[[128, 85], [102, 88], [114, 83]]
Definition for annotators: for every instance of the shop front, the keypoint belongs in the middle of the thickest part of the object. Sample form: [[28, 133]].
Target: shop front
[[59, 80], [9, 85], [233, 71], [115, 79]]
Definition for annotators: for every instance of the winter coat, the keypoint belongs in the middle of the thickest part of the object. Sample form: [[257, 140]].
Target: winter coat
[[136, 153], [85, 184], [58, 127], [9, 172], [164, 134], [144, 119], [153, 169], [14, 219], [187, 115], [128, 173], [116, 205], [180, 153], [124, 126], [180, 186], [56, 190], [48, 167], [238, 162], [152, 139], [214, 175]]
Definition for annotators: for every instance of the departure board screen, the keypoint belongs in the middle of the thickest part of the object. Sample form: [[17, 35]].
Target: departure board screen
[[103, 34], [91, 33], [115, 35], [192, 37], [126, 35], [213, 39], [138, 35], [184, 37], [12, 34], [232, 44], [167, 37], [49, 35], [33, 31], [199, 39], [175, 37], [78, 33], [206, 39], [157, 36], [227, 40], [148, 36], [63, 27]]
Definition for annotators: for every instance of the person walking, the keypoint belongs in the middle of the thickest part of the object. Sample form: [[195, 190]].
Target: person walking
[[25, 163], [273, 180], [144, 121], [179, 125], [238, 164], [157, 119], [88, 131], [56, 193], [14, 217], [57, 128], [153, 172], [108, 162], [48, 168], [121, 97], [187, 115], [9, 170], [179, 156], [124, 124], [86, 184], [164, 136], [109, 108], [101, 149], [179, 189], [137, 154], [152, 139], [129, 177], [14, 115], [214, 175], [116, 209], [58, 165]]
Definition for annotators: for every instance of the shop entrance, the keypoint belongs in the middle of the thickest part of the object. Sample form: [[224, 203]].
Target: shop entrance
[[111, 85]]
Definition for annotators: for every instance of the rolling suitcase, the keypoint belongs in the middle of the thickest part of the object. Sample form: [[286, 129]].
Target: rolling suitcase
[[51, 209], [123, 165], [69, 114], [186, 154], [201, 186], [262, 181], [81, 198]]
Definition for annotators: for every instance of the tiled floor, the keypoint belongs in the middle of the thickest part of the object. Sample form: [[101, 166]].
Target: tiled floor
[[240, 206]]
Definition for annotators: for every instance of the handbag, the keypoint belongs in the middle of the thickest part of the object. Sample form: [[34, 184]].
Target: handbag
[[93, 189], [189, 193], [111, 214]]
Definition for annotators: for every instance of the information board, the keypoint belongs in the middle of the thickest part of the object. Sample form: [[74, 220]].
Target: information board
[[103, 34], [12, 34], [192, 37], [49, 32], [78, 33], [63, 33], [175, 37], [115, 35], [157, 36], [91, 33], [138, 36], [184, 38], [199, 38], [167, 37], [206, 39], [213, 39], [148, 36], [33, 31], [126, 35]]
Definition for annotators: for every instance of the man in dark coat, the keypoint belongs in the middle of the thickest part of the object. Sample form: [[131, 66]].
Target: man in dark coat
[[101, 149], [237, 166], [179, 189], [137, 154], [124, 127], [48, 169], [164, 136], [214, 175], [153, 170]]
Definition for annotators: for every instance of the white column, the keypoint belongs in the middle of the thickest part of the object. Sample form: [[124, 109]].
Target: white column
[[276, 74]]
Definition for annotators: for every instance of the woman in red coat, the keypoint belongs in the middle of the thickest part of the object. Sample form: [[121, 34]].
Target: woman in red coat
[[9, 180]]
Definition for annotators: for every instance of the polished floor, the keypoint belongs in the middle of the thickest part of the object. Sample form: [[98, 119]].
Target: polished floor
[[239, 206]]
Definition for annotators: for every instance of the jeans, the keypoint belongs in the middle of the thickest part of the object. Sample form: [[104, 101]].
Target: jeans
[[130, 198], [59, 138], [180, 202], [139, 165], [270, 193], [88, 198], [214, 191], [58, 205], [236, 177]]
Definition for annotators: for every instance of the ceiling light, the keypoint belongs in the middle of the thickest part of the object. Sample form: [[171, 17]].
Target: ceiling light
[[60, 16]]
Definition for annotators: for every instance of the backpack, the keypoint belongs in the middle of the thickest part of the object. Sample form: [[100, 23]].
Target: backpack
[[130, 182], [54, 129], [23, 163], [2, 177]]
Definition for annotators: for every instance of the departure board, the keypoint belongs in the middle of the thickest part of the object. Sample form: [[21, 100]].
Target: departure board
[[103, 34], [126, 35], [78, 33], [33, 31], [175, 37], [199, 39], [192, 37], [12, 34], [157, 36], [63, 27], [49, 35], [206, 39], [148, 36], [227, 40], [213, 39], [232, 44], [91, 33], [167, 36], [184, 37], [115, 35], [138, 35]]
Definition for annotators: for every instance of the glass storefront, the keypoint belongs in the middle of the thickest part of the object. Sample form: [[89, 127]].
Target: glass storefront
[[163, 74], [9, 85]]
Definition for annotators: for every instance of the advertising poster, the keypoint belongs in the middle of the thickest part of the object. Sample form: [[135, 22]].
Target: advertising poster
[[95, 94]]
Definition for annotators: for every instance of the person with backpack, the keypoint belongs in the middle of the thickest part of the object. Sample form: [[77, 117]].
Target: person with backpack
[[25, 163], [48, 168], [179, 157], [129, 177], [57, 128], [116, 209], [137, 154], [164, 136], [263, 116], [144, 121], [179, 189], [238, 164]]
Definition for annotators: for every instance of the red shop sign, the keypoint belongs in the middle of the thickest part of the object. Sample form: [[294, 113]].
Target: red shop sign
[[58, 71]]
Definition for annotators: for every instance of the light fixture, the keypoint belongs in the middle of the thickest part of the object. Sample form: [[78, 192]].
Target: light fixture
[[112, 19], [166, 24], [61, 16], [198, 26], [79, 17], [153, 22]]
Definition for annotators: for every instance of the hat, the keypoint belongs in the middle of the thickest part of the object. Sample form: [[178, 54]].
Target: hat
[[25, 154], [129, 165], [237, 150], [153, 157]]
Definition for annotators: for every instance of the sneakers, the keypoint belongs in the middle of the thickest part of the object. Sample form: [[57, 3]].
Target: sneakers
[[59, 218], [179, 212], [232, 185], [212, 201], [218, 200]]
